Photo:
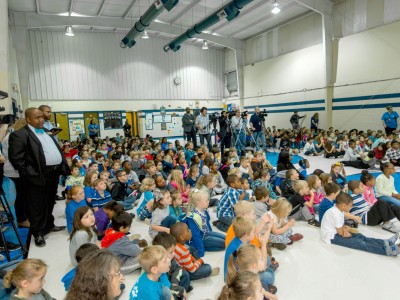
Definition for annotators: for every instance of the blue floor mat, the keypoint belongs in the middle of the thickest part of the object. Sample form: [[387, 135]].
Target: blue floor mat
[[273, 158]]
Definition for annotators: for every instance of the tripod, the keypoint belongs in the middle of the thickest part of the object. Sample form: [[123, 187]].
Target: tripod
[[237, 135], [9, 218]]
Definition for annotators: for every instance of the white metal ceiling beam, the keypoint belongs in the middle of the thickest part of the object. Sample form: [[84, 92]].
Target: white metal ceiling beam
[[129, 9], [71, 5], [33, 20], [255, 6], [184, 11], [325, 8], [101, 7], [37, 7]]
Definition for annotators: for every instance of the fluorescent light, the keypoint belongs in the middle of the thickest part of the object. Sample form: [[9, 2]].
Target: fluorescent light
[[205, 45], [145, 35], [69, 31], [276, 8]]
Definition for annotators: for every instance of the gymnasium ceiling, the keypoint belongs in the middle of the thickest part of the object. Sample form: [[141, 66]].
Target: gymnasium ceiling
[[120, 15]]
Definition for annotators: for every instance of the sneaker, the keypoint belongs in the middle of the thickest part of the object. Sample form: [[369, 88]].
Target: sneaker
[[189, 289], [215, 271], [295, 237], [392, 227], [147, 221], [314, 223], [141, 243], [393, 250], [279, 246], [392, 241], [10, 247], [215, 223]]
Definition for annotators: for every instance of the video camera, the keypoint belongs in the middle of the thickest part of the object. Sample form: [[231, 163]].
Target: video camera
[[243, 115], [213, 117], [263, 114]]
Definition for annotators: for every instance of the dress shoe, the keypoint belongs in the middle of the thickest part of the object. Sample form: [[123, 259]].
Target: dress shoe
[[58, 198], [57, 228], [24, 224], [39, 241]]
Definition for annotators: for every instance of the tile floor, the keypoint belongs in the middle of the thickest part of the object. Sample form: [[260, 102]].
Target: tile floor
[[308, 270]]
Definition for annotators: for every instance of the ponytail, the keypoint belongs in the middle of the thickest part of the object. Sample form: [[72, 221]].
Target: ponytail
[[232, 268], [26, 269], [71, 192], [241, 287]]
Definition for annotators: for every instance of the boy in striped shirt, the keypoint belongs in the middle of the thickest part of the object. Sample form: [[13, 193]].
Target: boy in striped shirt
[[373, 215], [189, 261], [225, 211]]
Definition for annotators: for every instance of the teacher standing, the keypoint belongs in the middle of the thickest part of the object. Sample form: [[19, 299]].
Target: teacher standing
[[315, 121], [93, 129], [39, 161], [389, 120]]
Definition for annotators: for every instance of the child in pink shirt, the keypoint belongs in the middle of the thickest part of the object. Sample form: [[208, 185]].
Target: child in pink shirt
[[368, 180], [314, 184]]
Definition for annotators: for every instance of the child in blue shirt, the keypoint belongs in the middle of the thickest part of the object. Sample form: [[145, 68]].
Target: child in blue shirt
[[75, 199], [147, 188], [154, 262], [189, 152]]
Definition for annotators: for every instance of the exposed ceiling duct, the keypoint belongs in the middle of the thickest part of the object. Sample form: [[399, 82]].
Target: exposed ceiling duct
[[149, 16], [229, 11]]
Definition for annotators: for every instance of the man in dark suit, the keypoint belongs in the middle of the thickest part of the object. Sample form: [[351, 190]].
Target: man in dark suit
[[189, 128], [39, 160]]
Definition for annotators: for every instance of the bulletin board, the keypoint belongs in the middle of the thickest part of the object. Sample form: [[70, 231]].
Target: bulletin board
[[76, 127], [162, 118], [149, 121], [175, 127]]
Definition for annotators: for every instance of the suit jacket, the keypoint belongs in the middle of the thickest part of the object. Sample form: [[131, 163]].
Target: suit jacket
[[26, 155], [188, 123]]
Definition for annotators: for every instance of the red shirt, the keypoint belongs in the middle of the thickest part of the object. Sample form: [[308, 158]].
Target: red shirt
[[71, 153]]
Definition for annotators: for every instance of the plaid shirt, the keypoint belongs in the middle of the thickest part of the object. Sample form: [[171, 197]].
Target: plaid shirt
[[393, 154], [227, 202]]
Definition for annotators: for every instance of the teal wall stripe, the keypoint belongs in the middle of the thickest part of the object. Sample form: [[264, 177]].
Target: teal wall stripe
[[368, 97], [296, 103], [365, 106]]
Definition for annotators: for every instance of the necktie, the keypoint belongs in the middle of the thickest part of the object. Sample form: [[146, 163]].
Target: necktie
[[40, 131]]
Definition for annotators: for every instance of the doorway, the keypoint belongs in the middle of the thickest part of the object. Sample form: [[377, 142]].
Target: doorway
[[132, 118], [61, 120], [91, 116]]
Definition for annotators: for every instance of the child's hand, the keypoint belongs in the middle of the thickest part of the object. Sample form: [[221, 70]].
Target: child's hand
[[269, 295], [167, 230], [242, 196], [263, 239], [357, 219], [291, 222], [265, 218]]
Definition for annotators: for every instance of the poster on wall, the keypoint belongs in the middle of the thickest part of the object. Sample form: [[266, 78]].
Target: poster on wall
[[163, 126], [76, 128], [149, 121]]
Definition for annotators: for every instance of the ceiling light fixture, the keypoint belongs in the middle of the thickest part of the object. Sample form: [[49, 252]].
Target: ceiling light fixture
[[69, 31], [275, 9], [145, 35], [205, 45]]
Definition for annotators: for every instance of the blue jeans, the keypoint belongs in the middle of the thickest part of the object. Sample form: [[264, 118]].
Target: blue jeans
[[309, 152], [185, 280], [168, 221], [390, 200], [127, 203], [240, 141], [166, 293], [363, 243], [202, 272], [268, 276], [214, 241], [224, 223], [260, 136]]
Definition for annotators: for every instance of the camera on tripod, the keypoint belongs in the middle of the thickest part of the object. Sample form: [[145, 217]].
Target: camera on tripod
[[214, 118], [263, 114]]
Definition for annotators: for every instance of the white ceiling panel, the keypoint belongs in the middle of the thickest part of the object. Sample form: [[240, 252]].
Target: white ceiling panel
[[54, 6], [22, 5]]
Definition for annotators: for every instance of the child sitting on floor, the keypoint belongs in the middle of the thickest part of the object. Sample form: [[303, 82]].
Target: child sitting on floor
[[190, 262], [75, 199], [281, 232], [104, 215], [161, 221], [314, 183], [146, 200], [333, 231], [262, 201], [198, 220]]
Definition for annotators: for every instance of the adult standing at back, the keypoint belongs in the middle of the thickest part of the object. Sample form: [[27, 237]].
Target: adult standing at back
[[39, 161], [389, 119], [294, 120], [127, 129], [46, 110], [202, 123], [256, 123], [93, 129], [189, 128], [315, 122]]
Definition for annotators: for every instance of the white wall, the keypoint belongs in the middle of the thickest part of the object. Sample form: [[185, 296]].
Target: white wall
[[92, 66], [278, 86], [373, 59]]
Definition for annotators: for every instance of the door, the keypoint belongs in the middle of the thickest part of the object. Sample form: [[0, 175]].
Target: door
[[91, 116], [61, 120], [129, 118]]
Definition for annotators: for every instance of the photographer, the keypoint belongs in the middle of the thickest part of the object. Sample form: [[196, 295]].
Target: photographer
[[188, 124], [240, 132], [225, 133], [294, 120], [202, 123], [256, 124]]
